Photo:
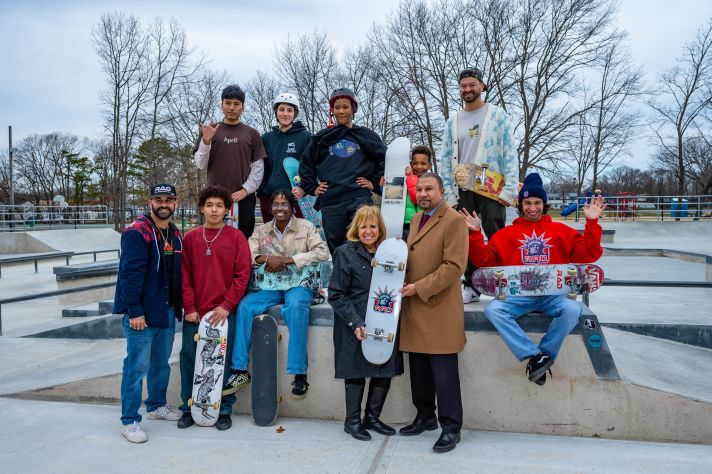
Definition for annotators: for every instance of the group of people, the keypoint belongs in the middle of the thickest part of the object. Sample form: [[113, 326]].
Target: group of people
[[163, 278]]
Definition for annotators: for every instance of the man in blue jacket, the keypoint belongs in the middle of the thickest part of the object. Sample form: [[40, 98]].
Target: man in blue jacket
[[148, 294]]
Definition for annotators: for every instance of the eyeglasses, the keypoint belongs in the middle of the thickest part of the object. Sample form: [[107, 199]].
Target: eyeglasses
[[281, 205]]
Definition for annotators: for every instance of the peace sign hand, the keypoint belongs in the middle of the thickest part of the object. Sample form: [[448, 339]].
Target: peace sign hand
[[208, 130]]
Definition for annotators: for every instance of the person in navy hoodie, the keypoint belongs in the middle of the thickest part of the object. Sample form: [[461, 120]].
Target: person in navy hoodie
[[288, 139], [148, 294]]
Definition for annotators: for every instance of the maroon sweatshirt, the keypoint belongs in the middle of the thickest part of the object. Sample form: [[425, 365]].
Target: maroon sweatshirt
[[218, 279]]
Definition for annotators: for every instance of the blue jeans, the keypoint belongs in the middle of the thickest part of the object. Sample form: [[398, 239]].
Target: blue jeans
[[503, 315], [147, 354], [295, 311]]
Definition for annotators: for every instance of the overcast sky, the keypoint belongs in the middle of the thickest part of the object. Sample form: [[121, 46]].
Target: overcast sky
[[50, 77]]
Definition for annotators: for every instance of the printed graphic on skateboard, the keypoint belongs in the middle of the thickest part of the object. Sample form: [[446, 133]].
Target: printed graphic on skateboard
[[571, 279], [211, 341], [384, 301], [309, 276], [394, 188], [306, 204], [480, 179], [265, 397]]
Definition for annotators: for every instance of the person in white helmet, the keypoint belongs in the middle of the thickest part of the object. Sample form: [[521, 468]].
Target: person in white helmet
[[289, 138]]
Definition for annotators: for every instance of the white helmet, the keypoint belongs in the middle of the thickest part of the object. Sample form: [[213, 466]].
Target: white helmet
[[286, 98]]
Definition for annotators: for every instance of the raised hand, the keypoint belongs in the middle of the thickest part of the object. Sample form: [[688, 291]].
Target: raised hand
[[208, 130], [594, 207], [472, 220]]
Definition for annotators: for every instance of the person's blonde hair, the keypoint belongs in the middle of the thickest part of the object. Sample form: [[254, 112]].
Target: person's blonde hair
[[367, 215]]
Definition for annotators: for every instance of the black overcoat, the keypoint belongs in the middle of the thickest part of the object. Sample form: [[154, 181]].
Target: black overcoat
[[348, 296]]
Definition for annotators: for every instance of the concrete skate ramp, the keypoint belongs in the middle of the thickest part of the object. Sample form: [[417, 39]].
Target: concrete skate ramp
[[496, 393], [68, 240]]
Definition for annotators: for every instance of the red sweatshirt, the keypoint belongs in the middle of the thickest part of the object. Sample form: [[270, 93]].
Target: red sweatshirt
[[218, 279], [541, 242]]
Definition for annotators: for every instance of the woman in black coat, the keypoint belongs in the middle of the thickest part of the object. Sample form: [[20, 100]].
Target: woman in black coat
[[348, 296]]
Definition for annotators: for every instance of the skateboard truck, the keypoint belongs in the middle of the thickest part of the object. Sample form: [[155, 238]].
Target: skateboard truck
[[482, 178], [573, 283], [501, 284], [388, 266], [388, 337]]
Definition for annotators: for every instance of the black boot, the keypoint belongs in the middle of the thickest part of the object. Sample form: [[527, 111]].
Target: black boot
[[374, 405], [352, 424]]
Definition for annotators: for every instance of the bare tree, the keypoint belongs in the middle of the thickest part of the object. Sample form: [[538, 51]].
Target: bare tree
[[686, 96], [259, 95], [122, 46], [308, 66]]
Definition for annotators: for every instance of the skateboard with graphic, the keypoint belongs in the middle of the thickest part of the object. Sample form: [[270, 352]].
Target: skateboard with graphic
[[570, 279], [306, 204], [394, 188], [480, 179], [309, 276], [265, 397], [384, 300], [205, 400]]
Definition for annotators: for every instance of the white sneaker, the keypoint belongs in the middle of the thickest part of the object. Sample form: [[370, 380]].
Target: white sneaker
[[166, 412], [134, 433], [469, 295]]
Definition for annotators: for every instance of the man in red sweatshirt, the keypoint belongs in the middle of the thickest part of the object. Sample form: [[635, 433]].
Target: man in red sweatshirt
[[534, 239], [216, 270]]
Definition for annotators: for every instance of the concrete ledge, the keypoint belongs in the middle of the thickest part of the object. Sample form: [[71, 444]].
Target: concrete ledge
[[678, 254], [86, 270], [693, 334]]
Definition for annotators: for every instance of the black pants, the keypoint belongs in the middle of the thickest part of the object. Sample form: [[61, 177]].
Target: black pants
[[438, 375], [492, 214], [335, 220], [246, 215]]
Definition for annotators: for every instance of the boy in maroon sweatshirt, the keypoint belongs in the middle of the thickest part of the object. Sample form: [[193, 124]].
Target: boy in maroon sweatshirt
[[216, 270], [534, 239]]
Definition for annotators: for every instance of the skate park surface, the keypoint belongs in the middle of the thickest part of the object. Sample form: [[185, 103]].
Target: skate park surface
[[45, 380]]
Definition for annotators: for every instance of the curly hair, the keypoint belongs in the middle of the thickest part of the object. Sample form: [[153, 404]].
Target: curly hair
[[214, 192]]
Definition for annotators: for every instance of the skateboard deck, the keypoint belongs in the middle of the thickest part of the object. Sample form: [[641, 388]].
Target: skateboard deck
[[384, 303], [571, 279], [394, 189], [306, 204], [265, 400], [480, 179], [309, 276], [205, 400]]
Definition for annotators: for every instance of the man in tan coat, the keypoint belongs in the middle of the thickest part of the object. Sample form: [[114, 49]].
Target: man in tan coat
[[432, 325]]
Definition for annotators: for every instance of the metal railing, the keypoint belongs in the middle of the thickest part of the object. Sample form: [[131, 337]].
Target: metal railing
[[631, 207], [22, 218]]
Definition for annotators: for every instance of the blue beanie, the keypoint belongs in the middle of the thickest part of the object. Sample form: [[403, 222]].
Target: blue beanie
[[532, 187]]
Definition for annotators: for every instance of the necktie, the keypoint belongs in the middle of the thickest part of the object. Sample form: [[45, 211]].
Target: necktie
[[423, 221]]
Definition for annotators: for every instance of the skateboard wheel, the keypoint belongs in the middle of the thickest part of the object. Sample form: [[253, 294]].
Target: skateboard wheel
[[279, 337], [196, 338], [190, 402], [501, 296], [401, 266], [216, 405], [498, 274], [571, 271], [374, 262], [389, 338], [572, 295]]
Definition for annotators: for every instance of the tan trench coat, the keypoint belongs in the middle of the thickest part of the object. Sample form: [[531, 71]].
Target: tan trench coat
[[433, 320]]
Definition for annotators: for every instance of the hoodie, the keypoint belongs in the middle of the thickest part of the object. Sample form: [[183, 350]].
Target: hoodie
[[338, 156], [280, 145]]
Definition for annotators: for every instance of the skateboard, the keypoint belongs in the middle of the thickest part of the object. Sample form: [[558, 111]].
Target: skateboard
[[306, 204], [309, 276], [265, 400], [571, 279], [205, 400], [480, 179], [384, 303], [394, 188]]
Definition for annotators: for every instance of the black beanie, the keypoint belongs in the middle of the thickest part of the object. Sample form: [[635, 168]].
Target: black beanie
[[532, 187]]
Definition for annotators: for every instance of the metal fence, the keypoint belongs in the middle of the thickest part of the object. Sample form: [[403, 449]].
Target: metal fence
[[26, 217], [630, 207]]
